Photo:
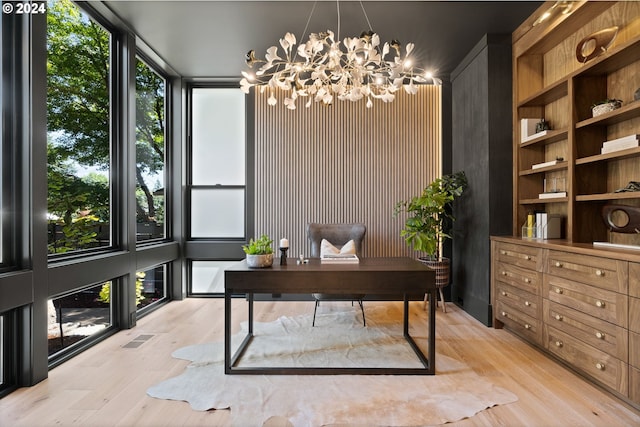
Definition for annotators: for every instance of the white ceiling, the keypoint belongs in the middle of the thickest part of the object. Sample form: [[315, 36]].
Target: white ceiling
[[211, 38]]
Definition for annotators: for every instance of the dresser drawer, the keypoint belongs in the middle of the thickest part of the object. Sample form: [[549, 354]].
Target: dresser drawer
[[634, 349], [634, 384], [599, 365], [518, 321], [604, 336], [599, 303], [634, 279], [522, 278], [634, 314], [604, 273], [523, 256], [519, 299]]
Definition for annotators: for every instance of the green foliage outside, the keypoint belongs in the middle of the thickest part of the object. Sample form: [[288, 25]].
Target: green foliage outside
[[260, 246], [79, 130], [105, 291], [429, 217]]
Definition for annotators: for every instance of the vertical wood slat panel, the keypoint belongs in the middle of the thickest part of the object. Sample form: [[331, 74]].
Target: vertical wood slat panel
[[344, 163]]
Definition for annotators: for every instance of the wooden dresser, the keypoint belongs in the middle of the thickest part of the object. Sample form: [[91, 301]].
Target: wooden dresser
[[577, 303]]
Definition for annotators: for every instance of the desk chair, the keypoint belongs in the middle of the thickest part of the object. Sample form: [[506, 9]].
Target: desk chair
[[337, 235]]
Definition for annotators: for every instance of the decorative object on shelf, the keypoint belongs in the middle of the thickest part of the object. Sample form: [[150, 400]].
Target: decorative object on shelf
[[636, 95], [622, 218], [631, 186], [542, 125], [284, 247], [595, 44], [259, 252], [429, 222], [605, 106], [322, 71]]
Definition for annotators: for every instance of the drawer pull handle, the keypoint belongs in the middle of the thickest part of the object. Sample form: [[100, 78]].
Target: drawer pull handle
[[527, 326], [558, 291], [600, 335], [559, 318], [599, 273], [559, 344], [527, 257], [503, 252], [527, 280], [600, 304], [504, 273], [504, 314], [600, 366], [504, 294], [558, 264], [527, 303]]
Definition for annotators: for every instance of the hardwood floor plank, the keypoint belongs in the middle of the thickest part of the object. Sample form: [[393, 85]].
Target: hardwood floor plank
[[106, 385]]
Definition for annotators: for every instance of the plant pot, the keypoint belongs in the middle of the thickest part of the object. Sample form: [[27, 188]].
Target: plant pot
[[260, 261], [441, 266], [605, 108]]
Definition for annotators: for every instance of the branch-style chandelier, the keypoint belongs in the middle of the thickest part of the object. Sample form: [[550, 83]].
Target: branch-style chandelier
[[323, 71]]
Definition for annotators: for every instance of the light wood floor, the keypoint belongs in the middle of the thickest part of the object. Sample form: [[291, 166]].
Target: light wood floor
[[106, 385]]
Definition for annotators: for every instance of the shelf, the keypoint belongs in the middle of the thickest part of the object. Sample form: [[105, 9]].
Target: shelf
[[543, 201], [619, 57], [622, 114], [558, 166], [608, 196], [551, 137], [547, 95], [616, 155]]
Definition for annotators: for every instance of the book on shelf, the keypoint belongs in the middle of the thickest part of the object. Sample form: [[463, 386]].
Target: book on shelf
[[555, 195], [339, 259], [535, 135], [619, 146], [545, 164], [528, 128], [622, 140]]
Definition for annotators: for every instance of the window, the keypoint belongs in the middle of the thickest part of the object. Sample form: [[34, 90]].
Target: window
[[78, 130], [151, 288], [78, 316], [218, 158], [207, 277], [150, 153]]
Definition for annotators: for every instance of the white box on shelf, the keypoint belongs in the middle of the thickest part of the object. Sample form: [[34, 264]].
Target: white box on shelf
[[544, 164], [622, 140]]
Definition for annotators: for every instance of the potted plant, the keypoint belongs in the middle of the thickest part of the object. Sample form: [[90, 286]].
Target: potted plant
[[259, 252], [429, 221], [605, 106]]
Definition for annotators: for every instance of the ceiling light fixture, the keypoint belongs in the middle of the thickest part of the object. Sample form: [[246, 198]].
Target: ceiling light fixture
[[322, 71]]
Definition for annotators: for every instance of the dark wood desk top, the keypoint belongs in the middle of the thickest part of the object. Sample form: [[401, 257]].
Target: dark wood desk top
[[371, 275]]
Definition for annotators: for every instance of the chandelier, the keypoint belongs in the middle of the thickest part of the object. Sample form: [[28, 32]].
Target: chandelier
[[325, 68]]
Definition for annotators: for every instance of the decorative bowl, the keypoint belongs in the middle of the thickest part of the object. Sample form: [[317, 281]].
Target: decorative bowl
[[606, 108]]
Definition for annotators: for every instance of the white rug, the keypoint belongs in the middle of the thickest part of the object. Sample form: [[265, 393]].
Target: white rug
[[339, 339]]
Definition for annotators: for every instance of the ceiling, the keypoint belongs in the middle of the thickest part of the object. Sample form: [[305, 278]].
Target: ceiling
[[211, 38]]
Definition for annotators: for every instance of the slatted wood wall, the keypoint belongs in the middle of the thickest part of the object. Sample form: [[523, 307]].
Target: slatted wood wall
[[344, 163]]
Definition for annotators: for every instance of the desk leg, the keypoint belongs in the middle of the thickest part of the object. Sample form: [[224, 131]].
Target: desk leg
[[433, 297], [227, 332]]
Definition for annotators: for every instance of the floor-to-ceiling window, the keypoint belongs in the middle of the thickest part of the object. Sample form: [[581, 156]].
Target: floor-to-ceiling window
[[219, 182], [79, 137]]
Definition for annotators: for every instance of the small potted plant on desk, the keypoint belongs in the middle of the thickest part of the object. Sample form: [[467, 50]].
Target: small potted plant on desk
[[429, 221], [259, 252]]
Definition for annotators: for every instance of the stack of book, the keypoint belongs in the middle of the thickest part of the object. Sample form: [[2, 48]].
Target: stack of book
[[630, 141], [528, 129], [339, 259], [541, 225]]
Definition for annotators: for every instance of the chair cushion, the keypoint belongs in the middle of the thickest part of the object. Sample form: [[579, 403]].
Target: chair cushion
[[327, 248]]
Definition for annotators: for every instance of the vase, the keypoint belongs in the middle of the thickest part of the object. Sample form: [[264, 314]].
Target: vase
[[260, 261]]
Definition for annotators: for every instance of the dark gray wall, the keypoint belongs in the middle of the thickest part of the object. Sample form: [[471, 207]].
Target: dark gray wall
[[481, 137]]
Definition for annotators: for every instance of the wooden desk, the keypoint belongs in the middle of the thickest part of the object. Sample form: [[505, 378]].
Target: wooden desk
[[377, 276]]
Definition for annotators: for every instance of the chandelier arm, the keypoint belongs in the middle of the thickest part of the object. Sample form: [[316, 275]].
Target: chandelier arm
[[366, 16], [338, 9]]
